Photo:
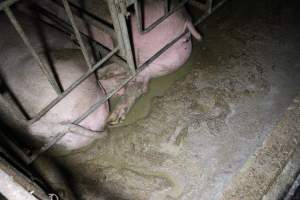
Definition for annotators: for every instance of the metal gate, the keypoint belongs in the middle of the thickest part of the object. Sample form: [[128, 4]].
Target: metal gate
[[122, 52]]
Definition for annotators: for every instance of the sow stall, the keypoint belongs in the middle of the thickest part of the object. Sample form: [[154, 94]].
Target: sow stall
[[116, 25]]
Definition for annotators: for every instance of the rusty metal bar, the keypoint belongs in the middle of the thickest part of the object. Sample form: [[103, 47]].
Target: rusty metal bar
[[74, 85], [7, 3], [77, 33], [45, 68]]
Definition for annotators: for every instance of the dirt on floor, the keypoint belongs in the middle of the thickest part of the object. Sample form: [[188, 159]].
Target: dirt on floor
[[188, 140]]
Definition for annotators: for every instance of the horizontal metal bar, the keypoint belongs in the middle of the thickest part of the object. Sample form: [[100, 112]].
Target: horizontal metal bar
[[207, 14], [7, 3], [77, 33], [74, 85], [46, 69]]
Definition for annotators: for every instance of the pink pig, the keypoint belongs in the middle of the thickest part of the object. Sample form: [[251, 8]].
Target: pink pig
[[146, 45]]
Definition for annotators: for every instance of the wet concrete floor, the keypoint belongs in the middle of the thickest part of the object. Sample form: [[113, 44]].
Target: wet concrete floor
[[189, 136]]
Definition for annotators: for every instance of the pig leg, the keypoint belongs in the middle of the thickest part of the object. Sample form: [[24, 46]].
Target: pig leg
[[133, 91]]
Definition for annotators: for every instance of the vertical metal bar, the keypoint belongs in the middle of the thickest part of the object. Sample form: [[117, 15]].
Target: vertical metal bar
[[205, 15], [167, 6], [139, 17], [121, 29], [77, 33], [209, 4], [46, 69]]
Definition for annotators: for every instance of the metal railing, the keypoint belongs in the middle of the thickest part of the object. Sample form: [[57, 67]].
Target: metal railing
[[119, 15]]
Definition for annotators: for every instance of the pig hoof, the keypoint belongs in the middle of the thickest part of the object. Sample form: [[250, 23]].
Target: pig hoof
[[117, 117]]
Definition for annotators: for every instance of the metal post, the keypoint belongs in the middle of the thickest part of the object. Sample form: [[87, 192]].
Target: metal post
[[45, 68], [120, 26], [167, 6], [139, 17], [209, 4], [77, 33]]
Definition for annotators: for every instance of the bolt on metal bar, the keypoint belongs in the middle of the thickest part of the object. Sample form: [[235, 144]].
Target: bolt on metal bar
[[77, 33], [45, 68], [74, 85], [7, 3]]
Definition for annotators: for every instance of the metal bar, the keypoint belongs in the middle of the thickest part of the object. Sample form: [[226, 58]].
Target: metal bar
[[104, 99], [74, 85], [139, 69], [18, 185], [94, 20], [7, 3], [139, 16], [209, 4], [161, 19], [197, 4], [114, 17], [15, 148], [46, 70], [121, 29], [206, 14], [54, 21], [77, 33], [167, 6]]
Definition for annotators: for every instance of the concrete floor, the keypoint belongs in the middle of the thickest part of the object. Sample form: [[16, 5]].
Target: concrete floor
[[191, 135], [198, 134]]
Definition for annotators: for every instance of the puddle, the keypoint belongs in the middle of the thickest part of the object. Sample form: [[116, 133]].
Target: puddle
[[157, 87]]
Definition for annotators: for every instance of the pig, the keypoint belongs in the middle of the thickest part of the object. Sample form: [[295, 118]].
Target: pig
[[26, 81], [146, 45]]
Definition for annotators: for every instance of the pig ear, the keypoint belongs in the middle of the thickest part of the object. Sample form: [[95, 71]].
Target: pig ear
[[193, 31]]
